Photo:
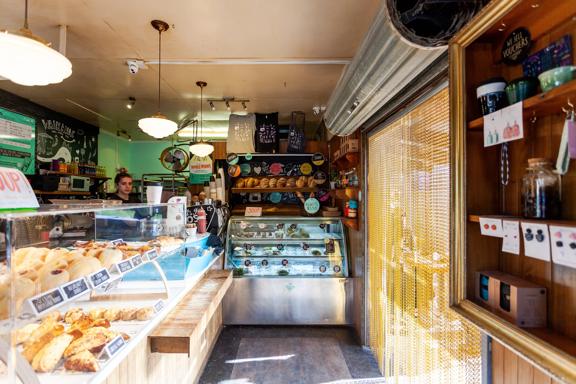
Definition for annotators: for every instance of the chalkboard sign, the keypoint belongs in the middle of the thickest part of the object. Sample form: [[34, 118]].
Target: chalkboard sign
[[516, 46]]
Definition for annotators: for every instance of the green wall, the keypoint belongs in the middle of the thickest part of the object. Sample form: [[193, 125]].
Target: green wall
[[137, 156]]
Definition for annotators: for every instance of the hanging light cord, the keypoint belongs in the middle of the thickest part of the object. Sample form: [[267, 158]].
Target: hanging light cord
[[26, 14], [159, 65], [201, 118]]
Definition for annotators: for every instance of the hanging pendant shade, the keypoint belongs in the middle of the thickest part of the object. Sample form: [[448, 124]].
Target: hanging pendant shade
[[28, 59], [158, 125], [201, 149]]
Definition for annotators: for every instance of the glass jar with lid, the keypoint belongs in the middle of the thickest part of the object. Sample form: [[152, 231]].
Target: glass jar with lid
[[541, 195]]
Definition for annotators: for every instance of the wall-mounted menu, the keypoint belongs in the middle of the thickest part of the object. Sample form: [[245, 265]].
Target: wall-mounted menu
[[17, 141], [57, 140]]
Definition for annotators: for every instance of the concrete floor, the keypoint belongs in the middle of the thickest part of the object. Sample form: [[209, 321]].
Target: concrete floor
[[289, 355]]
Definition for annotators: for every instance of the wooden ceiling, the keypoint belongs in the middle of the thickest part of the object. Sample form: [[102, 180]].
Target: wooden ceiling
[[218, 41]]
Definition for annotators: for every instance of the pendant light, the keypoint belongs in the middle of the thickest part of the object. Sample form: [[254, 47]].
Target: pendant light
[[201, 149], [158, 125], [28, 59]]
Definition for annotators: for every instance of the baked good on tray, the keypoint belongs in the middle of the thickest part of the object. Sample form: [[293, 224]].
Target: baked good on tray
[[83, 361], [47, 358]]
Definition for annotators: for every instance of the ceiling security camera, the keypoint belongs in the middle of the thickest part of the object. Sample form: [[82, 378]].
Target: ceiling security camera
[[133, 66]]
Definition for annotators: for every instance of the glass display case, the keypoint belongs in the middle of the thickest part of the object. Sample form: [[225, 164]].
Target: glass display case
[[288, 270], [286, 247], [81, 285]]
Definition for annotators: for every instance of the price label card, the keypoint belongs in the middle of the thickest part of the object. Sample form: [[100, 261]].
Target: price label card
[[98, 278], [158, 306], [151, 255], [253, 211], [112, 284], [511, 236], [117, 242], [113, 347], [124, 266], [75, 288], [491, 227], [46, 301], [136, 260]]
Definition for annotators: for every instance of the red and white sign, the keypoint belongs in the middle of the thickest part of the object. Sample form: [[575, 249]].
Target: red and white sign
[[253, 211], [15, 190]]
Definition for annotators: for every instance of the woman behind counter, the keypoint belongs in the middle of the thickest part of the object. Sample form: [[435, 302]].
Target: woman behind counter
[[123, 183]]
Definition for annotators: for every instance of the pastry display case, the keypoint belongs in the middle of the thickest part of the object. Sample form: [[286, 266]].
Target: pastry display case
[[80, 286], [287, 270]]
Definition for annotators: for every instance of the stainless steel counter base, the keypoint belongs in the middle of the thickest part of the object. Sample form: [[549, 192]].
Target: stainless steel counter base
[[287, 301]]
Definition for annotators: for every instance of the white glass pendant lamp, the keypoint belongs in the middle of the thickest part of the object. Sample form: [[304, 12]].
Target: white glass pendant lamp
[[198, 147], [158, 125], [27, 59]]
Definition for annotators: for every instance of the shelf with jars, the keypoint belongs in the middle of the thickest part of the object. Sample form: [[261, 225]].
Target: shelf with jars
[[514, 215]]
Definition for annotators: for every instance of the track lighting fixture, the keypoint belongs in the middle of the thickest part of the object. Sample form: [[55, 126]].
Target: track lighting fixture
[[228, 103], [131, 102]]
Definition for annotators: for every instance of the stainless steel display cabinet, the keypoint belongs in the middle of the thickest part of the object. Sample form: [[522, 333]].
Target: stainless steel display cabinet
[[287, 270]]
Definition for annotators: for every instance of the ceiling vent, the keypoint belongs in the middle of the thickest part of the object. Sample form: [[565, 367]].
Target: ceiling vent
[[384, 64]]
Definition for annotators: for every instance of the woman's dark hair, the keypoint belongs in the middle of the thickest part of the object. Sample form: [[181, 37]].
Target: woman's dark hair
[[120, 176]]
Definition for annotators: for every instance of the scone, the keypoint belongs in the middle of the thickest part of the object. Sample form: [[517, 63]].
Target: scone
[[35, 344], [127, 314], [73, 315], [47, 358], [92, 342], [96, 313], [83, 361], [112, 314], [144, 313]]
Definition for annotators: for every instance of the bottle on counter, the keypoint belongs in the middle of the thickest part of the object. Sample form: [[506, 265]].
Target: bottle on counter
[[541, 194], [201, 222], [207, 188], [219, 188], [188, 195]]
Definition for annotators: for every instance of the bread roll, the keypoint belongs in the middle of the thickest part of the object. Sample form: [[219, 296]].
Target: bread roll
[[40, 337], [47, 358], [56, 253], [83, 267], [24, 288], [54, 278], [59, 263], [112, 314], [31, 274], [144, 313], [96, 313], [127, 314], [273, 182], [110, 256], [281, 183], [240, 183], [291, 182], [94, 252], [311, 182], [264, 182], [251, 182], [301, 182], [73, 315]]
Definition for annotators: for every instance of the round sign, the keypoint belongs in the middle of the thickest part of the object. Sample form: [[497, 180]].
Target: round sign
[[323, 196], [337, 269], [264, 263], [322, 268], [245, 169], [516, 46], [247, 263], [318, 159], [275, 197], [248, 156], [306, 168], [232, 159], [319, 177], [284, 262], [276, 168], [234, 171], [311, 205]]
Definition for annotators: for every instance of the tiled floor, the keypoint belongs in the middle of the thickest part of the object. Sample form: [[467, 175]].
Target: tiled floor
[[289, 355]]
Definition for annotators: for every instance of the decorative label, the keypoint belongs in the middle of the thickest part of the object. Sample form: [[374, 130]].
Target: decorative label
[[247, 263], [232, 159], [15, 190], [234, 171], [284, 262], [337, 269], [264, 263], [306, 168], [253, 211], [248, 156], [75, 288], [511, 236], [113, 347], [536, 240], [320, 177], [158, 306], [276, 169], [311, 205], [516, 46], [330, 247], [322, 268], [136, 260], [491, 227], [151, 255], [275, 197], [98, 278], [245, 169], [45, 301], [563, 245], [506, 124], [318, 158], [124, 266], [280, 247]]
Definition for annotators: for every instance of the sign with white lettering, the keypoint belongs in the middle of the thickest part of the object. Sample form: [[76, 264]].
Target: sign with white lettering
[[15, 190], [17, 141], [118, 242], [75, 288], [124, 266], [98, 278], [136, 260], [46, 301], [516, 46], [113, 347], [151, 255]]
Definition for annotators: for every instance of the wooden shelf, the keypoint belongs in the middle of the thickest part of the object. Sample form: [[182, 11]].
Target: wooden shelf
[[543, 104], [476, 219], [269, 190], [78, 193], [73, 174]]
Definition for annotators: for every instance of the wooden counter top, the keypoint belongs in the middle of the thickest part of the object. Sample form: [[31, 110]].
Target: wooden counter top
[[189, 318]]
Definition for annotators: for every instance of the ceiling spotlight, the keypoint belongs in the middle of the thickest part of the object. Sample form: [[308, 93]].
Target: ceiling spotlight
[[131, 102], [244, 106], [227, 105], [212, 107]]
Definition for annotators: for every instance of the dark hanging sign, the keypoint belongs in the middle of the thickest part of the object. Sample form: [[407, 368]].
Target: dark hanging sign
[[516, 46]]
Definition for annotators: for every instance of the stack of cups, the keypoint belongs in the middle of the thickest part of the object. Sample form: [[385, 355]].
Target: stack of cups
[[153, 192]]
